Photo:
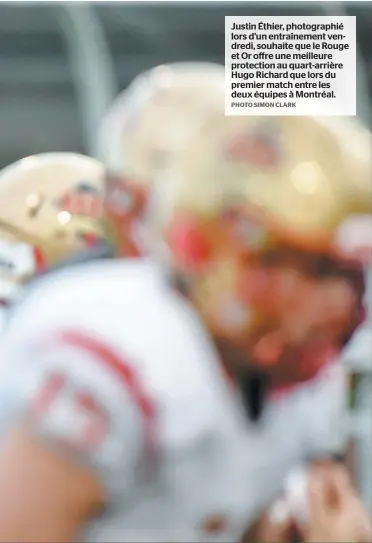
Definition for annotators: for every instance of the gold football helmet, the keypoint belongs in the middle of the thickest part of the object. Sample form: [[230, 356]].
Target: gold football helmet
[[50, 207], [300, 178], [256, 228], [147, 127]]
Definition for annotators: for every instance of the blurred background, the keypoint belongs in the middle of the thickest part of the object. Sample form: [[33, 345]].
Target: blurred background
[[61, 64]]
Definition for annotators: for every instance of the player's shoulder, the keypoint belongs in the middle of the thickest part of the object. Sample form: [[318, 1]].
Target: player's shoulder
[[122, 318], [100, 279], [89, 294]]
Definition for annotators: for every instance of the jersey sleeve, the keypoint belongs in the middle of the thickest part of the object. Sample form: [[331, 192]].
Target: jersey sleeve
[[77, 393]]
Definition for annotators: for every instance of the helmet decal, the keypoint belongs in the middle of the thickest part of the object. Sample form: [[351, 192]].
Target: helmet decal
[[83, 199]]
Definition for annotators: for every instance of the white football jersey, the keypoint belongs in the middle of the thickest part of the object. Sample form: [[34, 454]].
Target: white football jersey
[[17, 260], [109, 362]]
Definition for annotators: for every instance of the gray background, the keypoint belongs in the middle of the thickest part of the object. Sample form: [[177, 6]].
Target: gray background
[[61, 64]]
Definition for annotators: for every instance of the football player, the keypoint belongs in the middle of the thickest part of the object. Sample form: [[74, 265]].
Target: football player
[[50, 208], [169, 404], [130, 140]]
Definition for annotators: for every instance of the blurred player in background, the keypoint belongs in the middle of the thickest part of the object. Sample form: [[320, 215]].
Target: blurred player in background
[[170, 404], [144, 131]]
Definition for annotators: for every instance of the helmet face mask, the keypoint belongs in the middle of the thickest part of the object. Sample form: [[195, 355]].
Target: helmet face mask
[[125, 204]]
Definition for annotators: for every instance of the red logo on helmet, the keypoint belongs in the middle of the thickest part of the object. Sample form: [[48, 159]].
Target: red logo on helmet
[[83, 199]]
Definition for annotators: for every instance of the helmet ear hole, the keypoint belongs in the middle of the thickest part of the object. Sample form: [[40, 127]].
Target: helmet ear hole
[[189, 247]]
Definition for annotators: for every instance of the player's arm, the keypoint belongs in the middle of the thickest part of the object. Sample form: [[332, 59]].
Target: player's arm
[[72, 447], [43, 496]]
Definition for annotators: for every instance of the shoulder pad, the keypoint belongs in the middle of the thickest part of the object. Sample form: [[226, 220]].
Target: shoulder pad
[[102, 251]]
